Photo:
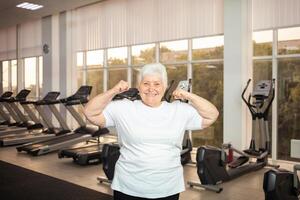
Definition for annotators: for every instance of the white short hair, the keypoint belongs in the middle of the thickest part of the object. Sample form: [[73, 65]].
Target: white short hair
[[152, 69]]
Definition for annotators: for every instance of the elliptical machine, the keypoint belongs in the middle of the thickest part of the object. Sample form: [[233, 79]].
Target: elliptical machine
[[280, 184], [213, 164]]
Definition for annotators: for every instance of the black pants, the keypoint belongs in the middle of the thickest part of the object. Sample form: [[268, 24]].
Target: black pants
[[121, 196]]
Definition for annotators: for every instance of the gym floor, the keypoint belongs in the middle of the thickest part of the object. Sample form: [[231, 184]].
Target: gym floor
[[247, 187]]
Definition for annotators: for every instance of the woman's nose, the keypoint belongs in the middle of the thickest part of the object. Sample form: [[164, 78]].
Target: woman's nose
[[151, 88]]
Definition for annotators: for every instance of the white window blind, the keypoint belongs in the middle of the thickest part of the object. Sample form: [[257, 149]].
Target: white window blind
[[127, 22], [8, 45], [30, 39], [268, 14]]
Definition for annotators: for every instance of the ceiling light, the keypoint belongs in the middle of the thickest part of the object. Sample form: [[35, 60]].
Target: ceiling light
[[29, 6]]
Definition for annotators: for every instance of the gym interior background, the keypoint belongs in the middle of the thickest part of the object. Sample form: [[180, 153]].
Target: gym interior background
[[219, 44]]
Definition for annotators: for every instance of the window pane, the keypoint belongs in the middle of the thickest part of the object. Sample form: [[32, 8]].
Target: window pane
[[14, 77], [30, 75], [94, 58], [117, 56], [208, 48], [143, 54], [5, 74], [262, 70], [176, 73], [262, 43], [289, 41], [41, 68], [115, 75], [79, 59], [135, 74], [171, 52], [95, 79], [80, 78], [288, 105], [208, 83]]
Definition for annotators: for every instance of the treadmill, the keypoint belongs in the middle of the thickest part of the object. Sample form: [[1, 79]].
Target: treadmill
[[48, 130], [82, 134], [22, 122]]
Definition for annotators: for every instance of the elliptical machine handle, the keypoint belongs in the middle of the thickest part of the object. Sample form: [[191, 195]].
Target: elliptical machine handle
[[250, 106], [243, 93]]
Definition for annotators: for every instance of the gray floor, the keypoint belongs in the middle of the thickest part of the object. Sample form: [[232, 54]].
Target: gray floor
[[246, 187]]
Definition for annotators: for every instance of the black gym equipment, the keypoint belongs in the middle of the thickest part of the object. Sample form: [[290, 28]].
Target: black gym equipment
[[45, 132], [5, 121], [280, 184], [81, 134], [213, 164], [22, 123]]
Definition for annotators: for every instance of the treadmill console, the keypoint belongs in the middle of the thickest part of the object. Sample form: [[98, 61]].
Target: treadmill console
[[6, 94], [262, 89], [51, 96], [184, 85], [82, 93], [21, 96], [131, 94]]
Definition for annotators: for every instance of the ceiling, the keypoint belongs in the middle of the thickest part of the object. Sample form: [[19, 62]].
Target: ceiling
[[11, 15]]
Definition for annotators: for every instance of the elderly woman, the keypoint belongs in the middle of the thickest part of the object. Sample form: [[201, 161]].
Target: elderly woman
[[150, 133]]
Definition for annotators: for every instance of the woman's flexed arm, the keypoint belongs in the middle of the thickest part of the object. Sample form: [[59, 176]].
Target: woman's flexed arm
[[94, 108], [206, 109]]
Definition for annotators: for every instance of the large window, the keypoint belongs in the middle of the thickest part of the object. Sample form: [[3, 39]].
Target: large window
[[287, 66], [288, 105], [124, 63], [208, 83], [207, 71]]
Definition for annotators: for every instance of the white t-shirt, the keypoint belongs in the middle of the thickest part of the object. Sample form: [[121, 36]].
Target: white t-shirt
[[151, 141]]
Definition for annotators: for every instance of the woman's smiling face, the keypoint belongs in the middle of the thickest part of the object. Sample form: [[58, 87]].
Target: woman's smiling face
[[151, 90]]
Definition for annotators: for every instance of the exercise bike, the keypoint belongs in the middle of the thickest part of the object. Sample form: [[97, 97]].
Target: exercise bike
[[280, 184], [215, 166]]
